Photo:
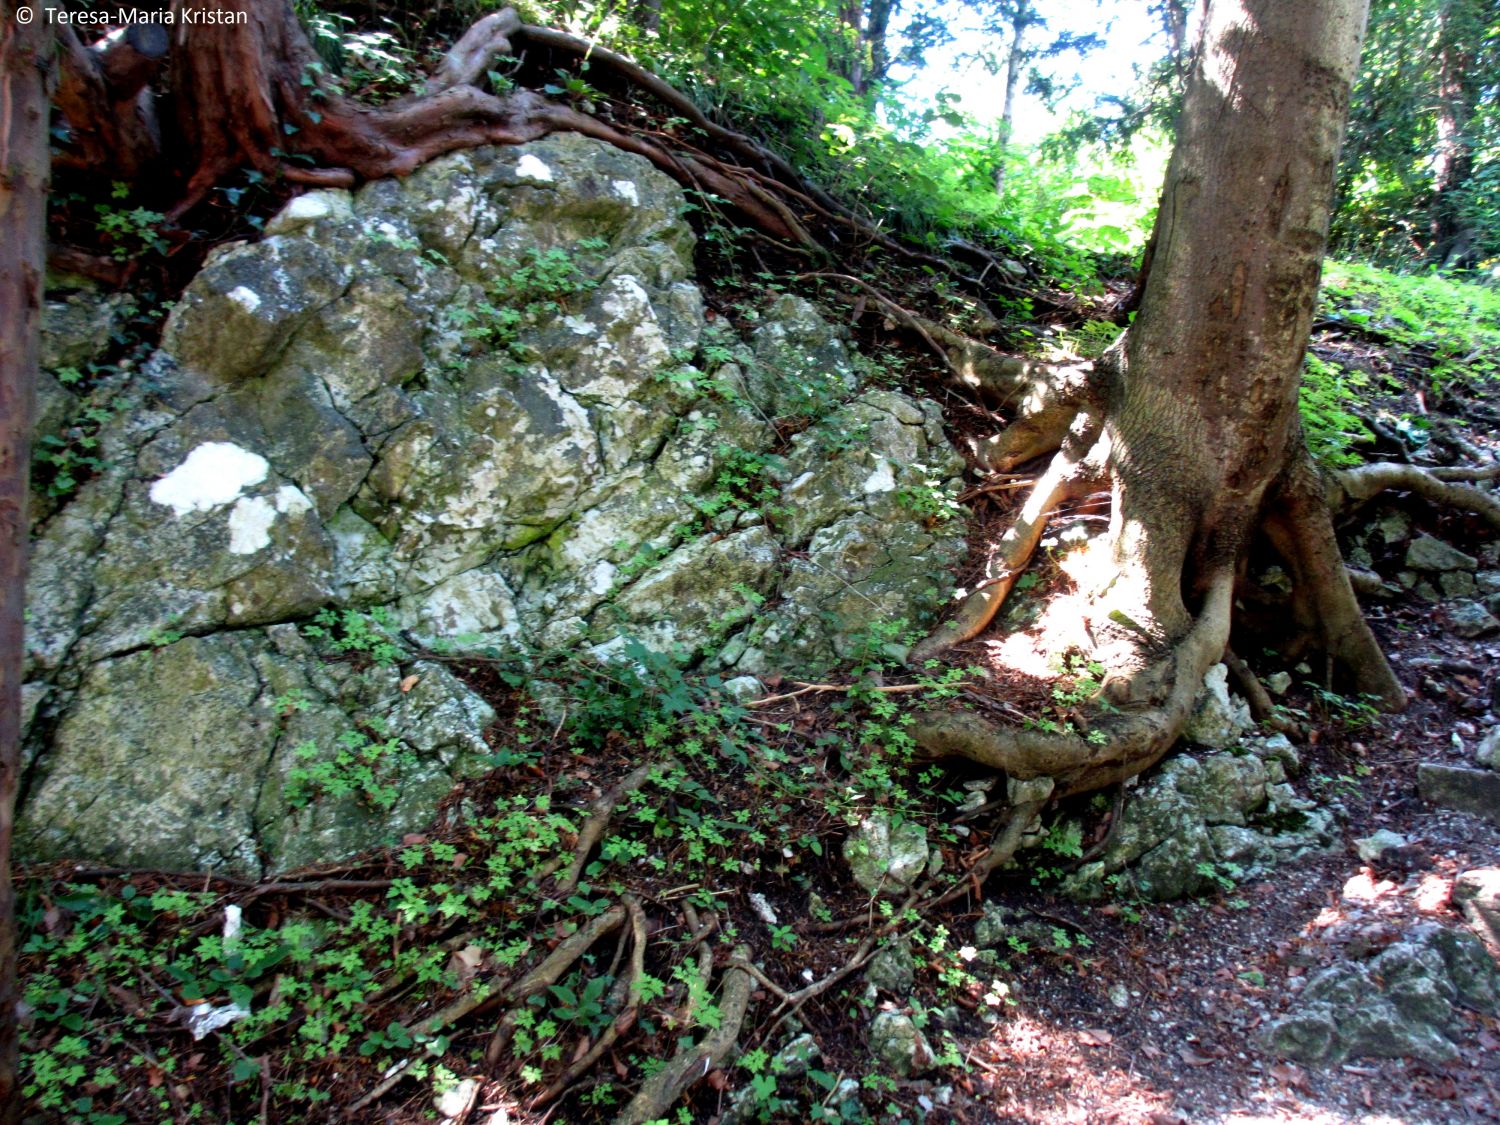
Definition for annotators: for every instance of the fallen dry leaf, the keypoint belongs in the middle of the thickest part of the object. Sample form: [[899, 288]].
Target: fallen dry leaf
[[465, 962], [1193, 1058], [1288, 1075], [1095, 1037]]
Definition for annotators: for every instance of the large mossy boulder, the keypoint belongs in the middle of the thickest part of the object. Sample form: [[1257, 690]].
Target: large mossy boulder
[[485, 397]]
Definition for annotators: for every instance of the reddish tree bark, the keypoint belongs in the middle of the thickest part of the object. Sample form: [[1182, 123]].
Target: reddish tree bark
[[25, 63]]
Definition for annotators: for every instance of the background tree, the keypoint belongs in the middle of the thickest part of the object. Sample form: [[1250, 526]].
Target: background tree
[[1417, 182]]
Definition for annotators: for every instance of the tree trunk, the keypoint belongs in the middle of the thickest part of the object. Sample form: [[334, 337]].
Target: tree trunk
[[1460, 27], [1021, 19], [1198, 434], [25, 65]]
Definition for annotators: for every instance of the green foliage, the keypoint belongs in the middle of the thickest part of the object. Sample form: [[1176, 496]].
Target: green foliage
[[1454, 326], [355, 765], [1325, 398], [527, 291], [367, 633]]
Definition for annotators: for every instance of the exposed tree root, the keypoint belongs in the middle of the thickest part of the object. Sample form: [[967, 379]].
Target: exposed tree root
[[598, 822], [547, 974], [1353, 487], [1128, 742], [1262, 708], [1069, 475], [1324, 607], [622, 1022], [659, 1092]]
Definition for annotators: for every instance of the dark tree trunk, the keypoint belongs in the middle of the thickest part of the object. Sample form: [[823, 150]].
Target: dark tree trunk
[[1460, 26], [25, 66]]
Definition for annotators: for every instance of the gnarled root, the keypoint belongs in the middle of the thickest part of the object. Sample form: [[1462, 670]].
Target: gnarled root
[[1300, 527], [1352, 487], [1070, 475], [662, 1089], [1128, 742]]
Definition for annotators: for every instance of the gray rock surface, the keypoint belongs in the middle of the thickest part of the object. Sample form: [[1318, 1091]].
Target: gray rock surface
[[1218, 718], [1201, 820], [891, 969], [1469, 619], [1472, 791], [886, 855], [1476, 892], [1399, 1003], [485, 397], [1487, 753], [898, 1045], [1427, 553]]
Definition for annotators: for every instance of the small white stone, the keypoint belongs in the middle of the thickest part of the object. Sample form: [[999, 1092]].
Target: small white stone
[[762, 908], [457, 1101]]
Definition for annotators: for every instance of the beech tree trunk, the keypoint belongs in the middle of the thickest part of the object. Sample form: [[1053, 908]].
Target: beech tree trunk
[[1192, 421], [25, 63]]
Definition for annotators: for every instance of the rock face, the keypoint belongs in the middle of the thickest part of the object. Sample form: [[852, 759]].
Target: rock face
[[1203, 820], [484, 397], [1399, 1003]]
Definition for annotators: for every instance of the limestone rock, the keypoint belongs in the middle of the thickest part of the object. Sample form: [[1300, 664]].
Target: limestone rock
[[1218, 718], [1477, 893], [1400, 1003], [899, 1046], [1469, 619], [1199, 819], [217, 785], [886, 855], [1488, 751], [1370, 848], [1471, 791], [341, 416], [891, 969], [1427, 553]]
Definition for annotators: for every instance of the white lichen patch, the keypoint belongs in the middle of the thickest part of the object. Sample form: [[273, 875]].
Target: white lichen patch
[[292, 501], [530, 168], [250, 523], [883, 479], [627, 191], [579, 326], [602, 578], [210, 476], [247, 298]]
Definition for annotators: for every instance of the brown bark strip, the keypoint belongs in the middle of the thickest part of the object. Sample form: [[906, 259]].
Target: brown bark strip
[[26, 73]]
